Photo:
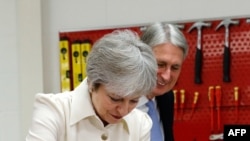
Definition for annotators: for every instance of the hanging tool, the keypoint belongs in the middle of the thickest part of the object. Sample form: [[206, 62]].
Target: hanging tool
[[236, 102], [226, 57], [85, 49], [214, 137], [182, 102], [198, 55], [218, 106], [65, 64], [175, 104], [179, 26], [248, 20], [211, 105], [219, 133], [196, 95]]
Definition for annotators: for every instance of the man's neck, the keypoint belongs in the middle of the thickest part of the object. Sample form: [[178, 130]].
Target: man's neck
[[150, 96]]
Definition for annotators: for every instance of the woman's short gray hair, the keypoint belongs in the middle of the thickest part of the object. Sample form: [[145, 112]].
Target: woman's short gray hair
[[123, 63], [159, 33]]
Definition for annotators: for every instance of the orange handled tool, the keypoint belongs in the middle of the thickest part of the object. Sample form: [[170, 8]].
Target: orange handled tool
[[196, 95], [182, 101], [236, 101], [211, 105], [218, 105], [175, 104]]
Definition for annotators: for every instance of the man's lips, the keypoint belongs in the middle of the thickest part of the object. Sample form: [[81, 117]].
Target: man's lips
[[161, 83]]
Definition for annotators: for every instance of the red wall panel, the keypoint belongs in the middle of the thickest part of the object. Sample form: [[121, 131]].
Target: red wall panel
[[198, 126]]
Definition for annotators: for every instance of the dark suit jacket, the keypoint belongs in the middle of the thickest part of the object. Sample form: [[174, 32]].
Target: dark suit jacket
[[165, 104]]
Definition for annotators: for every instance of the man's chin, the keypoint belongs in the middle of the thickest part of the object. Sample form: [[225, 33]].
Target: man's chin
[[160, 91]]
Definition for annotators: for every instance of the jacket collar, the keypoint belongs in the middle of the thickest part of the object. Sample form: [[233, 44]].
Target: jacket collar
[[81, 103], [82, 106]]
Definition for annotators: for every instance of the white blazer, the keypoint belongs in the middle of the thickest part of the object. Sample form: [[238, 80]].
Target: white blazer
[[70, 116]]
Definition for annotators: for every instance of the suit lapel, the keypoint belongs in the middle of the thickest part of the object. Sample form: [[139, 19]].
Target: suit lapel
[[165, 105]]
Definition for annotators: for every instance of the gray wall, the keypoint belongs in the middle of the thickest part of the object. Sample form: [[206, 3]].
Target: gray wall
[[29, 54], [9, 73], [21, 74]]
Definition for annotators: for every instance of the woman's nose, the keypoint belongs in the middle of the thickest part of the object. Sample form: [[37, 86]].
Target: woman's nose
[[123, 108]]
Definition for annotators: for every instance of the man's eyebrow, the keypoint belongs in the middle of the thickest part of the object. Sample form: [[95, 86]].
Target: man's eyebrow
[[160, 61], [177, 65]]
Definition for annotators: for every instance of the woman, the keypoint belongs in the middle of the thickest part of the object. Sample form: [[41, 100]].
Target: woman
[[120, 69]]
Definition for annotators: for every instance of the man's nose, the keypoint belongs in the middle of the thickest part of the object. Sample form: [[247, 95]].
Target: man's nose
[[166, 74]]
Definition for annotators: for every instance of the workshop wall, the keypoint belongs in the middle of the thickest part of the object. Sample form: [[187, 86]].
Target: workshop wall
[[231, 103], [20, 40], [61, 15], [111, 14], [202, 108]]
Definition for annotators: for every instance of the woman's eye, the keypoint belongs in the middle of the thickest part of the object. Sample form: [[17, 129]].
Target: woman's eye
[[115, 99], [134, 101]]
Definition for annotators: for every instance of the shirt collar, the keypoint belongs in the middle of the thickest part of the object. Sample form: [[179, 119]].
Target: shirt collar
[[142, 101], [128, 121], [81, 103], [82, 106]]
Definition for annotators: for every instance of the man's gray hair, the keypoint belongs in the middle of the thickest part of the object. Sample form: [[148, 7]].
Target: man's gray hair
[[159, 33]]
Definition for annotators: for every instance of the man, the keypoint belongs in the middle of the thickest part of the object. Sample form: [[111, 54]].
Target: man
[[170, 49]]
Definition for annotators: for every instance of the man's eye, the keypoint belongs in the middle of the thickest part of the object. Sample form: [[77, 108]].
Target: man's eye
[[175, 68], [161, 65]]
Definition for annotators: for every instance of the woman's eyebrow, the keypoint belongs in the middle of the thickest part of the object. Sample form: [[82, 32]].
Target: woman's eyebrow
[[114, 95]]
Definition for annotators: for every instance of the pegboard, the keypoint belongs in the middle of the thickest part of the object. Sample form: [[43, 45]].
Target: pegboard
[[196, 126], [91, 35], [72, 74]]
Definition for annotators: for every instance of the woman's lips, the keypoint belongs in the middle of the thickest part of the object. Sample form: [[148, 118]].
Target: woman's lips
[[116, 117]]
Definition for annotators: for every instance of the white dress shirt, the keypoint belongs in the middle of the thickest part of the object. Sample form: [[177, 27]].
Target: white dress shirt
[[142, 104], [70, 116], [143, 107]]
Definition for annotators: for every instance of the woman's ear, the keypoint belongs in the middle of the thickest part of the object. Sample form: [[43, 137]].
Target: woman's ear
[[87, 81], [90, 88]]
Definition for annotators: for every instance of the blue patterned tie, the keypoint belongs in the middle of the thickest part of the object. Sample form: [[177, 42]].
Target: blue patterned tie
[[156, 134]]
